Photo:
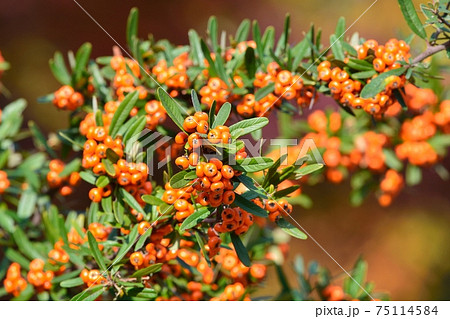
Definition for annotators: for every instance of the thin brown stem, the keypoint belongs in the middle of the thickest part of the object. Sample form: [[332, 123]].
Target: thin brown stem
[[431, 50]]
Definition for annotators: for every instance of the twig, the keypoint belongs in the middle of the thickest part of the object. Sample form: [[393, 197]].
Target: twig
[[431, 50]]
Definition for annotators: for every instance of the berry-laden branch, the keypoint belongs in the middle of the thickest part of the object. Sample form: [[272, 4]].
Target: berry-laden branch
[[180, 236]]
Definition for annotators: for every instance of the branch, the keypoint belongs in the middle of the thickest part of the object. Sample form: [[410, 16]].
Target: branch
[[431, 50]]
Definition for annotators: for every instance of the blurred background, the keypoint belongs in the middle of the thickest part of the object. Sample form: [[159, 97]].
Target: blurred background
[[406, 245]]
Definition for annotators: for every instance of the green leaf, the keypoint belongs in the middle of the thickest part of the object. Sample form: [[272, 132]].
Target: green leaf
[[96, 252], [152, 200], [392, 160], [253, 164], [249, 206], [130, 241], [195, 101], [290, 229], [109, 167], [286, 191], [241, 251], [131, 201], [273, 169], [15, 256], [141, 241], [242, 31], [122, 112], [336, 47], [102, 181], [411, 17], [89, 294], [212, 32], [212, 66], [299, 52], [308, 169], [359, 65], [247, 126], [283, 41], [340, 27], [222, 115], [263, 92], [413, 175], [133, 133], [353, 284], [201, 243], [25, 246], [88, 176], [250, 62], [59, 70], [196, 49], [379, 83], [193, 219], [132, 26], [147, 271], [172, 108], [363, 75], [71, 167], [27, 204], [74, 282], [178, 180], [81, 61]]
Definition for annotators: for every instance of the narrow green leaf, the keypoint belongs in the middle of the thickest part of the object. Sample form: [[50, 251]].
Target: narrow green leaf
[[122, 112], [379, 83], [241, 251], [96, 252], [263, 92], [131, 201], [102, 181], [242, 31], [172, 108], [411, 17], [147, 271], [88, 176], [59, 70], [74, 282], [253, 164], [132, 26], [222, 115], [290, 229], [413, 175], [81, 61], [152, 200], [27, 204], [195, 218], [249, 206], [247, 126], [336, 47], [195, 101]]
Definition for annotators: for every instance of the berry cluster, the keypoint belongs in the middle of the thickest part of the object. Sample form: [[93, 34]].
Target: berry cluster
[[4, 181], [92, 277], [346, 90], [14, 283], [442, 117], [415, 133], [390, 186], [174, 76], [234, 219], [215, 90], [58, 255], [100, 232], [65, 98], [65, 184], [40, 279], [249, 107]]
